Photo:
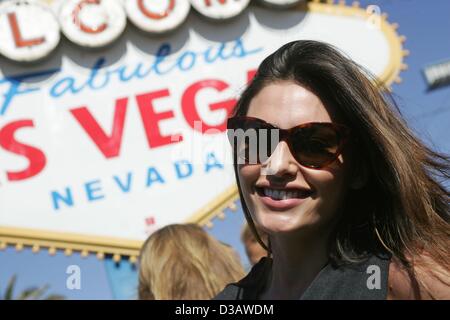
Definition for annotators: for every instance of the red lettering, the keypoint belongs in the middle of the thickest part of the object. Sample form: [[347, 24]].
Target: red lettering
[[208, 2], [77, 21], [154, 15], [150, 119], [250, 75], [189, 108], [18, 39], [109, 145], [36, 157]]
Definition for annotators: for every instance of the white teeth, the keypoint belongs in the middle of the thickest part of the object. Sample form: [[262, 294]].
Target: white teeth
[[281, 194]]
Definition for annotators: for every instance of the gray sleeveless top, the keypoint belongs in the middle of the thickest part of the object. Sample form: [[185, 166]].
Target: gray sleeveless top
[[346, 282]]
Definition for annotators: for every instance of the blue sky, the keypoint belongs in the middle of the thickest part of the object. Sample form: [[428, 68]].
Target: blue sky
[[426, 25]]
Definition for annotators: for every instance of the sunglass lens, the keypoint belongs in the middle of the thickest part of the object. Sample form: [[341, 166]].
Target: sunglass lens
[[251, 139], [315, 145]]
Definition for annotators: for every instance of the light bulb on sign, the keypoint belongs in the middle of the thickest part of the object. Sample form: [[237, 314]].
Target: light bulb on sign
[[157, 16], [281, 3], [92, 23], [29, 31], [220, 9]]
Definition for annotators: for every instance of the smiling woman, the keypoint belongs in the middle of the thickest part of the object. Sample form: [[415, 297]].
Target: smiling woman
[[350, 212]]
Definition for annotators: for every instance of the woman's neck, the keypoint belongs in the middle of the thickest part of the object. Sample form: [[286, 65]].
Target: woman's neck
[[297, 259]]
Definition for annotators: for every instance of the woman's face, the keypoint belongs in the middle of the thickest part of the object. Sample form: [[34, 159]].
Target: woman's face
[[314, 194]]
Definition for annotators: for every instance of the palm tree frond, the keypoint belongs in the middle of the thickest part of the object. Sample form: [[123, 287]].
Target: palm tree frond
[[55, 297], [25, 294], [10, 288], [33, 293]]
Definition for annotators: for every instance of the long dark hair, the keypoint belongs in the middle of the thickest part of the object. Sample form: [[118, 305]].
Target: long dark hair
[[404, 207]]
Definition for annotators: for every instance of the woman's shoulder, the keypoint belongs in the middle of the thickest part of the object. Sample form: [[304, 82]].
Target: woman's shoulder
[[425, 280], [247, 287]]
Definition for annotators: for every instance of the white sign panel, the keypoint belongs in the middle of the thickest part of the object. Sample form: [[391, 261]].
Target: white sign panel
[[97, 149]]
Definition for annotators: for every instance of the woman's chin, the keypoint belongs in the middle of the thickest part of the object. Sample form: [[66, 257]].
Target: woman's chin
[[278, 223]]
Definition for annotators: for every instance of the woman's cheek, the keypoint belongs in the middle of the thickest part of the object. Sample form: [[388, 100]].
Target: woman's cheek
[[248, 175], [330, 188]]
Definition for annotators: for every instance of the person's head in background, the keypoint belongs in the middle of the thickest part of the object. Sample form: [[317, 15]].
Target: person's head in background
[[252, 247], [184, 262]]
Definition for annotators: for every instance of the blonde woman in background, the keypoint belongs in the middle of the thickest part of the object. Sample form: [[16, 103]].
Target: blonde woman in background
[[183, 262]]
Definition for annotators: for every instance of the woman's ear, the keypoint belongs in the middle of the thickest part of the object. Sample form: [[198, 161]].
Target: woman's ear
[[359, 176]]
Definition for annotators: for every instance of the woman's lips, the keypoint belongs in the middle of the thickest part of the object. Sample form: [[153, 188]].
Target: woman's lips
[[282, 199]]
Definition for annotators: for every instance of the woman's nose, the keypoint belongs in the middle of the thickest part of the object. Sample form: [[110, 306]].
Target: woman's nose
[[280, 163]]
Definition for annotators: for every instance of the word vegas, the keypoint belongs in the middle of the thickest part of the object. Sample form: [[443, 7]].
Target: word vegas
[[109, 143]]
